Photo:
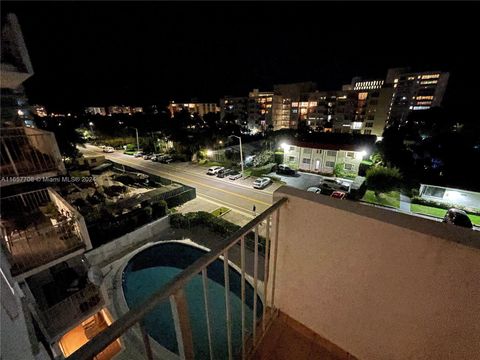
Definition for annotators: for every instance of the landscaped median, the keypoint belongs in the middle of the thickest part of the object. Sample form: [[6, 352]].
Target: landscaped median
[[390, 199]]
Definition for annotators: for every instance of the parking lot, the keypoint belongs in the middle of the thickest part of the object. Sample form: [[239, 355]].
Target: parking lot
[[300, 180]]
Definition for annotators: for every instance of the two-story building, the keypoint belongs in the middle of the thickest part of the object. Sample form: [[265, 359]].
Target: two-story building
[[323, 158]]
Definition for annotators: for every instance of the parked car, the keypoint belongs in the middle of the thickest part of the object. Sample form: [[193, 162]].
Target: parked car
[[261, 183], [108, 149], [156, 157], [214, 170], [147, 156], [234, 175], [165, 159], [338, 194], [138, 154], [285, 170], [333, 184], [224, 172], [457, 217], [314, 189]]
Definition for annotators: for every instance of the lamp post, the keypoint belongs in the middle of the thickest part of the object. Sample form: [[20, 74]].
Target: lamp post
[[241, 151]]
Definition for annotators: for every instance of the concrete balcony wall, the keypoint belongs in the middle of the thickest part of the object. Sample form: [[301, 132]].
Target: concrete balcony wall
[[379, 284]]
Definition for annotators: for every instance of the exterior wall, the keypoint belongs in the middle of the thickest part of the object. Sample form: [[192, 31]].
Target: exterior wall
[[450, 196], [115, 247], [381, 113], [321, 160], [379, 284]]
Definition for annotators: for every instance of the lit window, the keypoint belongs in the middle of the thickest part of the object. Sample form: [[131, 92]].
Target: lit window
[[313, 103], [269, 99], [356, 125], [428, 82], [431, 76], [304, 104], [294, 104], [424, 97], [303, 111], [395, 81], [362, 95]]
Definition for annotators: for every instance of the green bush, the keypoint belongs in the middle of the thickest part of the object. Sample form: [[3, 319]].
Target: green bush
[[262, 170], [181, 198], [383, 179], [214, 224]]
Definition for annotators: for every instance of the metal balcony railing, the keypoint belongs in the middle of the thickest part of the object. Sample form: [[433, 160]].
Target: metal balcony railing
[[71, 310], [28, 152], [32, 236], [174, 292]]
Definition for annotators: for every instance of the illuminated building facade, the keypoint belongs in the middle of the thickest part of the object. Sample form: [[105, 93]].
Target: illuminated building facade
[[96, 110], [193, 108], [259, 110], [415, 91], [235, 107]]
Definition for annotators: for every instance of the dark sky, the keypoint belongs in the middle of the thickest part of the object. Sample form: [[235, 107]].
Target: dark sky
[[140, 53]]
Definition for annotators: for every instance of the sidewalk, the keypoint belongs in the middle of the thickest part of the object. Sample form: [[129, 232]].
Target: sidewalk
[[405, 202]]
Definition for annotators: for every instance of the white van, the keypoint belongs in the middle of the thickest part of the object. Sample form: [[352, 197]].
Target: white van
[[108, 149]]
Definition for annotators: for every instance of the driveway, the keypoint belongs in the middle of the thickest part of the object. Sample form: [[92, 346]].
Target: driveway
[[300, 180]]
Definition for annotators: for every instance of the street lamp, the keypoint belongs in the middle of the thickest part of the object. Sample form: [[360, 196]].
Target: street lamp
[[241, 152]]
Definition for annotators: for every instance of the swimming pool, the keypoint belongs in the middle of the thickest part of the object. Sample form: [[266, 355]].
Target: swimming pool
[[152, 268]]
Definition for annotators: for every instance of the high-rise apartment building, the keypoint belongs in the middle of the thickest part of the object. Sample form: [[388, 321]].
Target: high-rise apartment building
[[414, 91], [236, 107], [193, 107], [259, 110]]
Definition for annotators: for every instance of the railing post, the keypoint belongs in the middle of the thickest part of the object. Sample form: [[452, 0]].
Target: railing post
[[255, 285], [274, 276], [242, 266], [226, 271], [265, 271], [146, 341], [183, 330], [207, 314]]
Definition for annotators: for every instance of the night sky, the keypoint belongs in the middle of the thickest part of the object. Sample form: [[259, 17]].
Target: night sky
[[143, 53]]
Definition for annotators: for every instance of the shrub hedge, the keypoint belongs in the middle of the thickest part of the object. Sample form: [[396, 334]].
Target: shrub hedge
[[214, 224], [441, 205], [262, 170]]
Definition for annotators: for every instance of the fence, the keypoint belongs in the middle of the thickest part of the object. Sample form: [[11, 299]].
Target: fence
[[174, 292]]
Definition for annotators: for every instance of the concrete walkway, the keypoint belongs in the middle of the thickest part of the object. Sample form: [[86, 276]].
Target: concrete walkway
[[405, 202]]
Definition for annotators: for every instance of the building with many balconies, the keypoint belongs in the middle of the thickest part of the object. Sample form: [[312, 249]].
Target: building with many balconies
[[46, 290]]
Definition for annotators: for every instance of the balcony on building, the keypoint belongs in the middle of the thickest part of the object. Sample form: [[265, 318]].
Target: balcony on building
[[39, 229], [62, 296], [341, 281], [28, 152]]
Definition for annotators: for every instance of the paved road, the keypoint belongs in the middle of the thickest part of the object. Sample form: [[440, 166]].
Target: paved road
[[238, 194]]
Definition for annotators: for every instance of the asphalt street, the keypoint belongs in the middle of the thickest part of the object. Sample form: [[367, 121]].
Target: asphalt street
[[238, 194]]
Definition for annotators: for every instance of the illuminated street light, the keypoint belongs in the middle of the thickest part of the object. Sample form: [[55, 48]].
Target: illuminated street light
[[284, 146], [209, 152]]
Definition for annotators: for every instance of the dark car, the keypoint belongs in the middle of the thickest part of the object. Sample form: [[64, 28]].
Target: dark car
[[285, 170], [224, 172], [457, 217]]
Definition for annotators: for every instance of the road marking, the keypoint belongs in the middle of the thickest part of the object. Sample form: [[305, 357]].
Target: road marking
[[195, 182]]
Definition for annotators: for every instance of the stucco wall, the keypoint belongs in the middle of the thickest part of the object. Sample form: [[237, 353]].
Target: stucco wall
[[379, 284]]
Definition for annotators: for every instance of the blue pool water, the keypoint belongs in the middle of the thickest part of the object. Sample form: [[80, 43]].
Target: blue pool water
[[152, 268]]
